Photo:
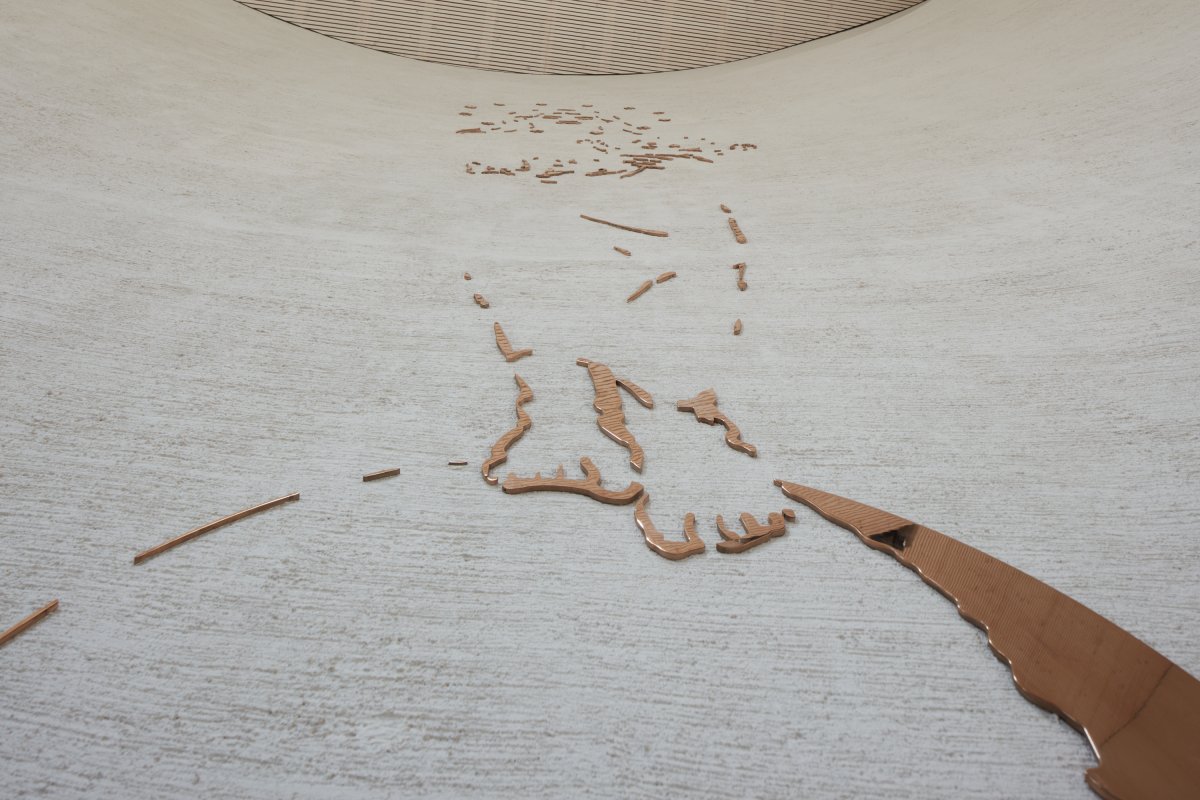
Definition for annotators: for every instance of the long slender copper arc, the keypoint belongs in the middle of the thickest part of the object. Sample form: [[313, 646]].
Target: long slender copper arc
[[192, 534], [647, 231], [28, 622]]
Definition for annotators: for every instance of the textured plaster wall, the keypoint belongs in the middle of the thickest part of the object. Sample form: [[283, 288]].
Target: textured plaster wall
[[230, 268]]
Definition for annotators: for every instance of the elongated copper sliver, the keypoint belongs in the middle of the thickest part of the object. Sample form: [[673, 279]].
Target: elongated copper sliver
[[641, 290], [725, 208], [383, 473], [28, 622], [481, 301], [622, 251], [456, 463], [666, 276], [738, 236], [737, 327], [647, 231], [192, 534]]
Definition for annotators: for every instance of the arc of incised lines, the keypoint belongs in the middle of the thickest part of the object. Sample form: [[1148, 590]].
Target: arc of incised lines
[[611, 419], [704, 406], [756, 533], [506, 349], [588, 486], [524, 422], [675, 551]]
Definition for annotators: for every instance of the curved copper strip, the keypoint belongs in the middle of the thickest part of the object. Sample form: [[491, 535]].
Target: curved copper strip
[[589, 485], [1139, 711], [646, 231], [675, 551], [212, 526], [500, 448]]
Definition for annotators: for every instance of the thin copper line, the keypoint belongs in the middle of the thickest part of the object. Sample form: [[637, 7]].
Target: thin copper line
[[383, 473], [647, 231], [192, 534], [641, 290], [28, 622]]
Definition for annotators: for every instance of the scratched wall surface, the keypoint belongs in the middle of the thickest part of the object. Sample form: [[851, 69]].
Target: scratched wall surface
[[232, 258], [599, 37]]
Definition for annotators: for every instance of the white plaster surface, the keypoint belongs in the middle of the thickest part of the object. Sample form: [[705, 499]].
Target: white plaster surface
[[230, 268]]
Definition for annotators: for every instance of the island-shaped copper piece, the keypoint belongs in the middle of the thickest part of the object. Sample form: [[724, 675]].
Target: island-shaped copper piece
[[1139, 711], [756, 533], [500, 448], [608, 405], [658, 543], [704, 406], [506, 349], [588, 486]]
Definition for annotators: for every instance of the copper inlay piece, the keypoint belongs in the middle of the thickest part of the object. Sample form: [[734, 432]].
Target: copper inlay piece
[[724, 207], [741, 282], [500, 449], [28, 622], [383, 473], [666, 276], [457, 463], [737, 327], [466, 276], [737, 232], [1139, 711], [608, 405], [658, 543], [481, 301], [470, 130], [506, 349], [756, 534], [704, 406], [212, 526], [641, 290], [647, 231], [588, 486], [622, 251]]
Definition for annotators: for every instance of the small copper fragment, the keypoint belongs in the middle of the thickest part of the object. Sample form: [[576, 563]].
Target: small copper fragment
[[647, 231], [1139, 711], [666, 276], [641, 290], [607, 403], [737, 327], [28, 622], [741, 282], [622, 251], [675, 551], [383, 473], [466, 276], [470, 130], [456, 463], [506, 349], [737, 232], [500, 449], [481, 301], [192, 534], [756, 533], [588, 486], [704, 406]]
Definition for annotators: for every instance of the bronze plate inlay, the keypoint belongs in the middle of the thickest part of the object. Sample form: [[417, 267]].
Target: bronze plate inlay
[[1139, 711]]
